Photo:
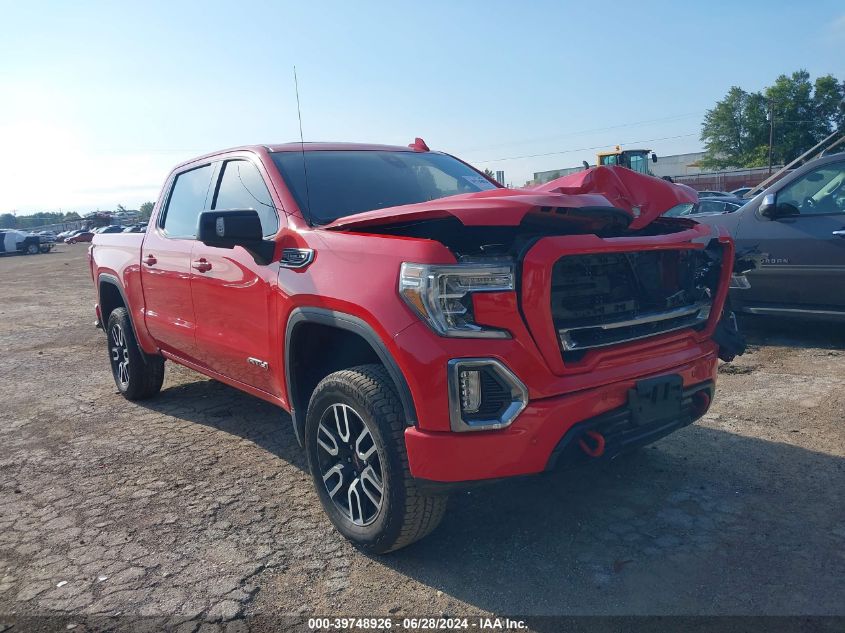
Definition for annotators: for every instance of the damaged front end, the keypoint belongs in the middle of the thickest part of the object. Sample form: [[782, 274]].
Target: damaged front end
[[594, 264], [662, 284], [611, 298]]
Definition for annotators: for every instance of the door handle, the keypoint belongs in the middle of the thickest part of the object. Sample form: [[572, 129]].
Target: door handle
[[150, 260], [202, 265], [839, 233]]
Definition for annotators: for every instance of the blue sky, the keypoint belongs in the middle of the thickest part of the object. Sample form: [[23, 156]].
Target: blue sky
[[99, 100]]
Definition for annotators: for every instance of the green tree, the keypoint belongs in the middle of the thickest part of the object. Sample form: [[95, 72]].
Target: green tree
[[8, 221], [146, 211], [736, 131], [829, 95], [121, 208], [489, 173], [733, 129], [39, 219], [795, 121]]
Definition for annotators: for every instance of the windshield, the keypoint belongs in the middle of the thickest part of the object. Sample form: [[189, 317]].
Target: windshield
[[346, 182]]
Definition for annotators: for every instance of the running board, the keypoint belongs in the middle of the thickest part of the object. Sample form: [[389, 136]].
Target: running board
[[776, 311]]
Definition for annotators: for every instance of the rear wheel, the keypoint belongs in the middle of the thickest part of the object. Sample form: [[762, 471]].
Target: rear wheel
[[137, 375], [355, 440]]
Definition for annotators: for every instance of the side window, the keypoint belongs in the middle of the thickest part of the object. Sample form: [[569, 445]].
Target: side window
[[710, 206], [679, 210], [638, 164], [187, 201], [242, 187], [819, 191]]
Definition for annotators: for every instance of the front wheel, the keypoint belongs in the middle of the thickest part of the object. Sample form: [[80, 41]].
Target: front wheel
[[32, 249], [355, 440], [137, 375]]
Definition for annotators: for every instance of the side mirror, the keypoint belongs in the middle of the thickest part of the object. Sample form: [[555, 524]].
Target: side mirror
[[773, 211], [653, 157], [767, 207], [242, 227]]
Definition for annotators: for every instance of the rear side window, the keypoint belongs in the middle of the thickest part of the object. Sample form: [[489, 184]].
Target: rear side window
[[187, 201], [243, 187]]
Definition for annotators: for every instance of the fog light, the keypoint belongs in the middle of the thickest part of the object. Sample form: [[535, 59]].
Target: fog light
[[470, 390], [483, 394]]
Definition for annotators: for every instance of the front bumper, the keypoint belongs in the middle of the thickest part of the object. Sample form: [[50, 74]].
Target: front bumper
[[535, 441]]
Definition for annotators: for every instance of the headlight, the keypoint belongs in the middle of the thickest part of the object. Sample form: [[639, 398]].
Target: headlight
[[740, 282], [442, 295]]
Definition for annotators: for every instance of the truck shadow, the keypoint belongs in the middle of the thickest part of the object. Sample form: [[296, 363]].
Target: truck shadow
[[214, 404], [705, 522]]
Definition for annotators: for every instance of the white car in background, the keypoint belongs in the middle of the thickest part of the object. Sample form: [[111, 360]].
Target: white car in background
[[14, 241]]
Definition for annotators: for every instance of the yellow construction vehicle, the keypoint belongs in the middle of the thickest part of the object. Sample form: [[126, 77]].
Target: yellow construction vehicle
[[633, 159]]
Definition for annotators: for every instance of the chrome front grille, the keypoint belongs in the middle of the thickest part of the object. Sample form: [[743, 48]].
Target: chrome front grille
[[610, 298]]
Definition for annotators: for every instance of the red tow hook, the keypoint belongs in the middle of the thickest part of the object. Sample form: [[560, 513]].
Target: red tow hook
[[596, 451]]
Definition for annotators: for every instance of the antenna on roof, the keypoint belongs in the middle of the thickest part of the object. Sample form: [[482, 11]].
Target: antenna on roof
[[302, 142]]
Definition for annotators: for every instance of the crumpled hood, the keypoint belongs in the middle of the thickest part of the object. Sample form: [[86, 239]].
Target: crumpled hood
[[644, 197], [641, 198]]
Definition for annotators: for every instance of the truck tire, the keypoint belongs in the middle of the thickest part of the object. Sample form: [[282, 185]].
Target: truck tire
[[137, 375], [31, 249], [355, 440]]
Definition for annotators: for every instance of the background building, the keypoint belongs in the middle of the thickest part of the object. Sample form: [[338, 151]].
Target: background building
[[684, 168]]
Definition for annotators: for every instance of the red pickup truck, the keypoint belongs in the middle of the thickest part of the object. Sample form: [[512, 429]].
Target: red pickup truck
[[425, 327]]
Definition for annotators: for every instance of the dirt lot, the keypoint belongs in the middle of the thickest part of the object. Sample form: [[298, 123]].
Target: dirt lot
[[196, 503]]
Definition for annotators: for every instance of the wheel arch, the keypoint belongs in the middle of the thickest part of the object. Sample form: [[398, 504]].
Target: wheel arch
[[366, 347], [110, 296]]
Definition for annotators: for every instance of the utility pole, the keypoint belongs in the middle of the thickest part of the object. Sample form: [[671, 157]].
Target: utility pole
[[771, 132]]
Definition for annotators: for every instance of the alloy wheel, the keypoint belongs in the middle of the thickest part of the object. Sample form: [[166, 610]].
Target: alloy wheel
[[349, 464], [119, 355]]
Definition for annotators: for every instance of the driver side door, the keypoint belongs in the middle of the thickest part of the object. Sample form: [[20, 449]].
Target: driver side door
[[232, 293], [805, 264]]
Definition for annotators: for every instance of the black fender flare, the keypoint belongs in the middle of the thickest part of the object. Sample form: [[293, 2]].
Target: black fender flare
[[342, 321], [107, 278]]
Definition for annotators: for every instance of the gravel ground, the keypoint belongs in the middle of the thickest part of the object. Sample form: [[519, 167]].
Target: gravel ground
[[195, 508]]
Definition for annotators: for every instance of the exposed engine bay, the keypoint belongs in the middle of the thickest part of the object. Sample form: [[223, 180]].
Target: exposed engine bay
[[469, 243]]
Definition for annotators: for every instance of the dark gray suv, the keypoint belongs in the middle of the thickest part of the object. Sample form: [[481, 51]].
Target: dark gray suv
[[798, 226]]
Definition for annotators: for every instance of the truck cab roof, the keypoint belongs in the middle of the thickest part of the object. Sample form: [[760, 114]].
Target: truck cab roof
[[307, 146]]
